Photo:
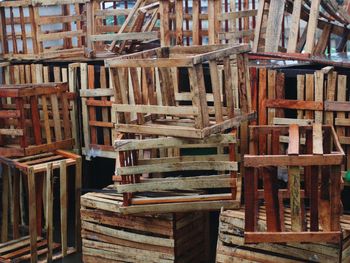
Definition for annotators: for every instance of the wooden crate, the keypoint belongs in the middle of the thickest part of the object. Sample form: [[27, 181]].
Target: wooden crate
[[109, 236], [194, 22], [151, 98], [231, 246], [322, 24], [319, 161], [195, 174], [118, 27], [39, 73], [319, 96], [34, 119], [28, 32], [37, 174]]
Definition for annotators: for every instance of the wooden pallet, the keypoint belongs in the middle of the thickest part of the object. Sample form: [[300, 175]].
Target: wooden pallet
[[194, 22], [157, 105], [116, 27], [231, 246], [36, 175], [25, 32], [19, 250], [35, 119], [319, 161], [269, 30], [190, 180], [109, 236]]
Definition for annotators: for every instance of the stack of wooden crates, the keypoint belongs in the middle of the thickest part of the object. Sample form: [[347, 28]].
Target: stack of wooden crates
[[190, 94]]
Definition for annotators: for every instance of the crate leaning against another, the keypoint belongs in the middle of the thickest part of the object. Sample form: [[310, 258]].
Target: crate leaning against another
[[167, 174], [165, 91]]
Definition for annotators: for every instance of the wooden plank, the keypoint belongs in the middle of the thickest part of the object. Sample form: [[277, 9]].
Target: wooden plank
[[63, 206], [294, 141], [32, 214], [294, 27], [78, 186], [319, 83], [5, 204], [274, 25], [317, 139], [312, 25], [216, 90], [295, 200], [281, 237], [258, 26], [49, 211]]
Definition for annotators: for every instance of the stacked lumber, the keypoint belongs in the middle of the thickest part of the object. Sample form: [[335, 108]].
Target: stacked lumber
[[109, 236], [195, 22], [115, 27], [318, 159], [231, 246], [323, 18], [28, 32]]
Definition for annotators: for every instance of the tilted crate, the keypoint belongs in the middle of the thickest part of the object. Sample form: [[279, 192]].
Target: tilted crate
[[35, 118], [120, 26], [179, 175], [313, 152], [165, 91]]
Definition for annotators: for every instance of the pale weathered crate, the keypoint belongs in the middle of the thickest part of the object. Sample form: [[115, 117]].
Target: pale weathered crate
[[36, 176], [164, 91], [109, 236], [231, 246], [34, 119], [319, 160], [195, 22], [178, 175], [120, 26], [28, 32]]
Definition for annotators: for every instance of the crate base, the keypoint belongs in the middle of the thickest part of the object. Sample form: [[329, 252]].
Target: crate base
[[19, 250], [109, 236]]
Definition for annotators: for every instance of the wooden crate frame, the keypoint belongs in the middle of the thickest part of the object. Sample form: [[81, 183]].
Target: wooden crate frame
[[139, 26], [136, 166], [39, 36], [159, 69], [173, 237], [40, 73], [37, 172], [183, 22], [26, 107], [322, 154]]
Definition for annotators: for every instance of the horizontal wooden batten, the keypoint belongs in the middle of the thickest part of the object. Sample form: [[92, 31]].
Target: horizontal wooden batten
[[153, 109], [280, 237], [183, 166], [188, 183], [301, 160], [294, 104]]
